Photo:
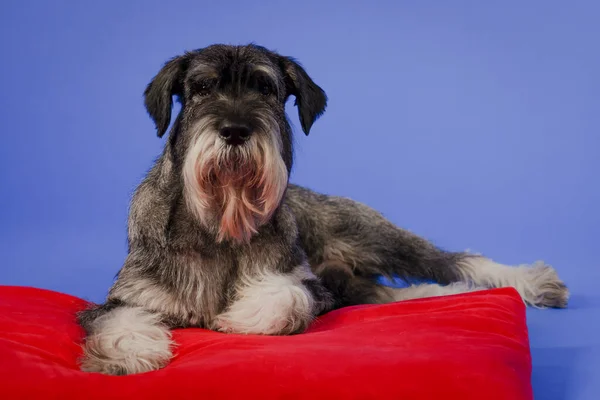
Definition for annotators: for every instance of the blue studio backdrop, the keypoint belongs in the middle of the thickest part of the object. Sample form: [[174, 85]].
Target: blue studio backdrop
[[474, 124]]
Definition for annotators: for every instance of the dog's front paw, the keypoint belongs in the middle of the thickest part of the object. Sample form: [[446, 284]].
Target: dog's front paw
[[274, 306], [124, 365], [127, 341], [545, 288]]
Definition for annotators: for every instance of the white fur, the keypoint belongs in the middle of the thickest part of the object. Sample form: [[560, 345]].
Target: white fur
[[426, 290], [239, 187], [535, 283], [203, 149], [127, 340], [269, 304]]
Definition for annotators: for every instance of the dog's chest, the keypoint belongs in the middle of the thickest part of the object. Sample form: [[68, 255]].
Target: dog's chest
[[205, 288]]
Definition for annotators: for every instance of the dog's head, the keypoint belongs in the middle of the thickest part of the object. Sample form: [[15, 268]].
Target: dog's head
[[232, 135]]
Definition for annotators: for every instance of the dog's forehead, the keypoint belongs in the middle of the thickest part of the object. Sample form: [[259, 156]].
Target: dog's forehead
[[223, 58]]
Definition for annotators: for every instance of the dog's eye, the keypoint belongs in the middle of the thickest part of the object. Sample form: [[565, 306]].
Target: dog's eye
[[264, 89], [203, 88], [264, 86]]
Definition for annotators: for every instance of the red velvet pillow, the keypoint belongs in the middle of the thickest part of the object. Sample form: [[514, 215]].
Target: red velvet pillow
[[468, 346]]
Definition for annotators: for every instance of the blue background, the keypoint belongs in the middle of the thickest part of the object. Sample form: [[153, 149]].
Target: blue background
[[475, 124]]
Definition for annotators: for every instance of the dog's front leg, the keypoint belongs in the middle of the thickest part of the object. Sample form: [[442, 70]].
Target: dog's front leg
[[156, 290], [271, 302], [123, 340]]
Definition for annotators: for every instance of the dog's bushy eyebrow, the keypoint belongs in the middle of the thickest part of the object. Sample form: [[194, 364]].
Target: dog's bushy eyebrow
[[266, 70], [203, 71]]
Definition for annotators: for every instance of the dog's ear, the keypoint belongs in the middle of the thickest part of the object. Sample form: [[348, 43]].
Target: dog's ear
[[158, 96], [311, 100]]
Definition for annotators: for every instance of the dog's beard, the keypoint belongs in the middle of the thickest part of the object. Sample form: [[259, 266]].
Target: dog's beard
[[234, 189]]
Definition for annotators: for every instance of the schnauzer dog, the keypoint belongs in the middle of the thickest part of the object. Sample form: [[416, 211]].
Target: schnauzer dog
[[219, 239]]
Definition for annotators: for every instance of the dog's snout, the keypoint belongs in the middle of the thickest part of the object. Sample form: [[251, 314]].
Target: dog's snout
[[235, 134]]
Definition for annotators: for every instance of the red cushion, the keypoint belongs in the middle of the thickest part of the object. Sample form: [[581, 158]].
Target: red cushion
[[469, 346]]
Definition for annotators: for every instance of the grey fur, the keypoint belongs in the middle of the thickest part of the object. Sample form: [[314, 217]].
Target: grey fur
[[313, 253]]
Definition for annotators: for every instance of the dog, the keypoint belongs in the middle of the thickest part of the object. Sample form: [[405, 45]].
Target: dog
[[218, 238]]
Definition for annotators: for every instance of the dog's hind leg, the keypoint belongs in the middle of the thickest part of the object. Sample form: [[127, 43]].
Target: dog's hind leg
[[343, 231], [350, 289], [123, 340], [400, 253], [538, 284]]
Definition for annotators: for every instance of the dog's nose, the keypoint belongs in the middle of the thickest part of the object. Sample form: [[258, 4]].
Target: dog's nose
[[235, 134]]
